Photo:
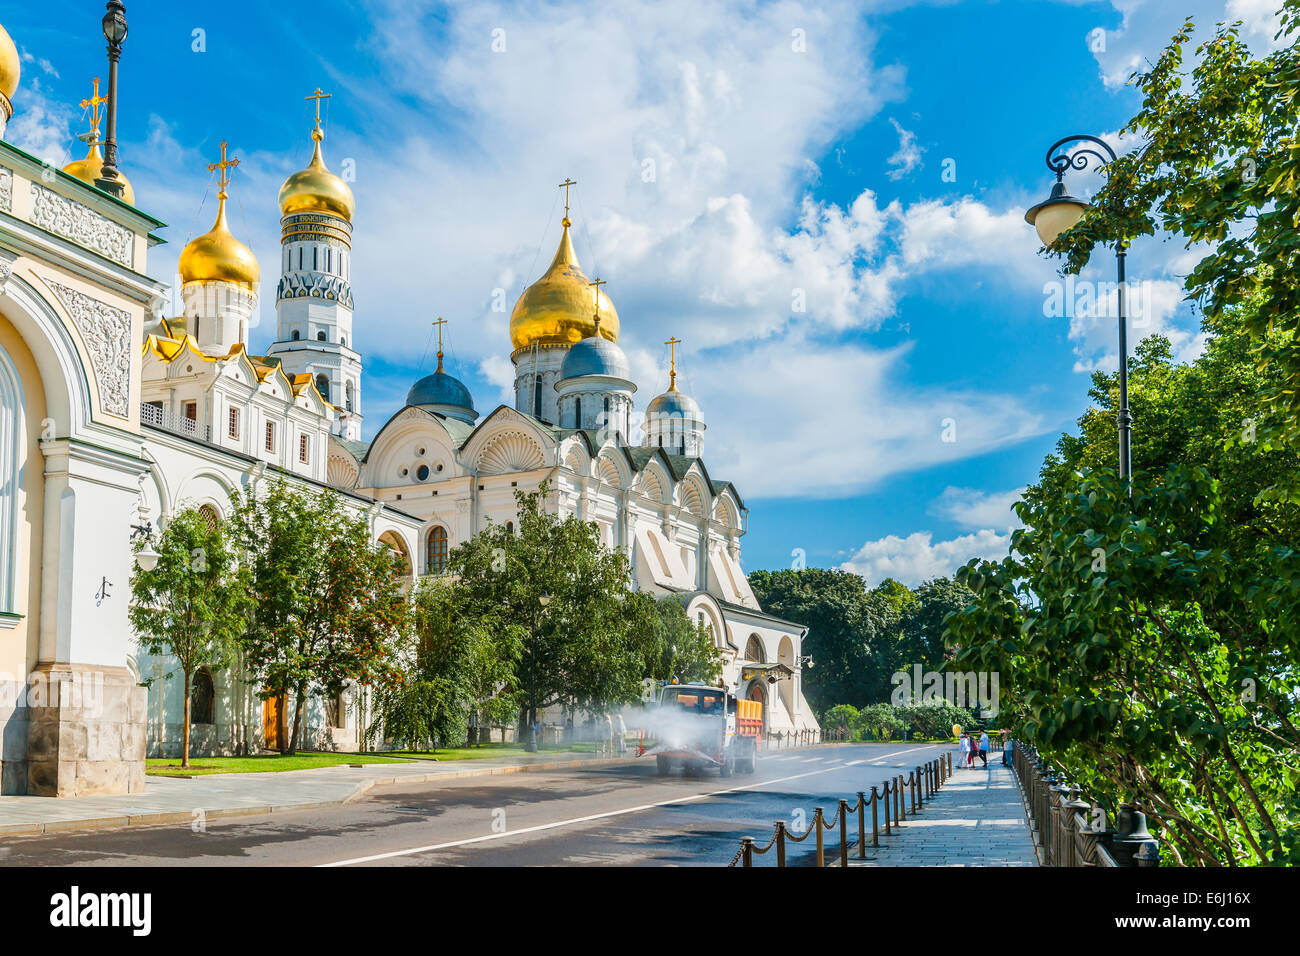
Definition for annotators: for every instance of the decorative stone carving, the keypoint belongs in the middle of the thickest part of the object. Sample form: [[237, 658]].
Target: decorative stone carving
[[316, 285], [6, 188], [106, 331], [6, 270], [82, 225]]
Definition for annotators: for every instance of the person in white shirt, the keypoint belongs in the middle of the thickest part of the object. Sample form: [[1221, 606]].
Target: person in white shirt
[[620, 731], [984, 747], [963, 750]]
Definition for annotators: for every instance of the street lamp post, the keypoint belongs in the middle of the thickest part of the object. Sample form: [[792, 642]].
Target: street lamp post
[[114, 24], [1055, 215], [531, 745]]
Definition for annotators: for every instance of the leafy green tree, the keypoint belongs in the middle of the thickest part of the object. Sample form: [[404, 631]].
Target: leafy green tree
[[921, 632], [328, 604], [850, 630], [567, 596], [193, 604], [880, 722], [675, 646], [841, 717]]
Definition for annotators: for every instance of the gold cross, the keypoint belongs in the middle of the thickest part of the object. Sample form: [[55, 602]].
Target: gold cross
[[438, 325], [93, 103], [597, 283], [672, 344], [223, 177], [318, 96], [566, 184]]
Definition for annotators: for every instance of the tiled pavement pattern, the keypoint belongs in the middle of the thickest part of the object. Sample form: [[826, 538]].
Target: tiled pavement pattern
[[173, 800], [976, 819]]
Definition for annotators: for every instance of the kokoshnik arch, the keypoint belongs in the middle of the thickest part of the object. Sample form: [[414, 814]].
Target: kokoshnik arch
[[112, 411]]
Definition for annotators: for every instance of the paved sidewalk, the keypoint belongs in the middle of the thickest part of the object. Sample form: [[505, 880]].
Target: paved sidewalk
[[178, 799], [977, 819]]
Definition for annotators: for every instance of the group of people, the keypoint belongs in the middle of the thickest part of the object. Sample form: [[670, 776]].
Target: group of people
[[969, 747]]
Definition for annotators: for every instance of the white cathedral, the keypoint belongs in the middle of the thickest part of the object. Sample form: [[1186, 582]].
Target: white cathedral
[[114, 415]]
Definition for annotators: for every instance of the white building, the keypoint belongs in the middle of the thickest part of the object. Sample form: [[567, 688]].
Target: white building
[[114, 415]]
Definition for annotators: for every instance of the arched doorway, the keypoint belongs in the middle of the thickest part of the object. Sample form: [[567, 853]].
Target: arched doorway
[[759, 693], [394, 543]]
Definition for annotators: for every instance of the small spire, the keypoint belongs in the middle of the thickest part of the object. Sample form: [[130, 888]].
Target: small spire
[[596, 284], [318, 134], [565, 186], [438, 325], [672, 344]]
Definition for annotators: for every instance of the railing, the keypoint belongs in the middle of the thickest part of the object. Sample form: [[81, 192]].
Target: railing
[[1071, 831], [783, 739], [920, 785], [159, 417]]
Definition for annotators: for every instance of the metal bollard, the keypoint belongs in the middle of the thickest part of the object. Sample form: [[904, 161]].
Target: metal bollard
[[844, 833], [885, 793], [819, 814], [780, 843], [875, 826], [862, 825], [900, 801], [747, 850]]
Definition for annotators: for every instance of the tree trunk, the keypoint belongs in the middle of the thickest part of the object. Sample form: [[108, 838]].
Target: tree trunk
[[185, 730], [297, 721]]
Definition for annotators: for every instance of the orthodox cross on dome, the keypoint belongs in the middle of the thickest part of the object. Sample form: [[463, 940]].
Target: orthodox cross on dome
[[438, 324], [596, 284], [318, 96], [565, 186], [672, 344], [93, 104], [223, 177]]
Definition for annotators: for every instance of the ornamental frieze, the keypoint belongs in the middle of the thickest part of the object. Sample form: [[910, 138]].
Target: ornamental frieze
[[106, 332], [316, 285], [6, 189], [82, 225]]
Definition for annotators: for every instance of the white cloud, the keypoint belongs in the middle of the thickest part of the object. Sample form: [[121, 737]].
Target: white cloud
[[972, 509], [908, 155], [918, 558]]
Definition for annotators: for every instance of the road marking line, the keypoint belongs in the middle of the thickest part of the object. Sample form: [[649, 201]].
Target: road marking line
[[586, 819]]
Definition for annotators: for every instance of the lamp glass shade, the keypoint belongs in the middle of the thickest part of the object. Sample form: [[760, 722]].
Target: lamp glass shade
[[146, 558], [114, 26], [1055, 216]]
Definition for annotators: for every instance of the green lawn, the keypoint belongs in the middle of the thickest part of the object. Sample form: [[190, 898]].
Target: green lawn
[[261, 763], [499, 750]]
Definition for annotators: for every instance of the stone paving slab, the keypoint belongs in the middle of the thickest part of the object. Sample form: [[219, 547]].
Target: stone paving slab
[[977, 819]]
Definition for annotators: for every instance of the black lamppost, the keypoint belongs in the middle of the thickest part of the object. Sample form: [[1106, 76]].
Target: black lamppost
[[530, 746], [1058, 213], [114, 24]]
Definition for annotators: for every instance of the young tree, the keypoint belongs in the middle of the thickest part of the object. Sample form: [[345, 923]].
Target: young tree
[[674, 645], [193, 604], [329, 604]]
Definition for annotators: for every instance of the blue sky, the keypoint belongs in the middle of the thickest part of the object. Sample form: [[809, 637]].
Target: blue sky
[[733, 160]]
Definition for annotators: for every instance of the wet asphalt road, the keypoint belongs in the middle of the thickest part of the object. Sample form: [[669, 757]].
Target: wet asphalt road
[[622, 815]]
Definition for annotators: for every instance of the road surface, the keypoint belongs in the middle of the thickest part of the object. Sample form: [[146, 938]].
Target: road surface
[[623, 815]]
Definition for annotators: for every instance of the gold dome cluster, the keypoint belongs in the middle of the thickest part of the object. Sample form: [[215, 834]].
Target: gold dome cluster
[[316, 189], [559, 308]]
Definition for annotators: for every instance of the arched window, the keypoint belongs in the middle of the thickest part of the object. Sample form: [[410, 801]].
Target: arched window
[[202, 697], [754, 650], [323, 386], [349, 394], [211, 517], [537, 396], [320, 336], [510, 527], [577, 413], [437, 562], [296, 335]]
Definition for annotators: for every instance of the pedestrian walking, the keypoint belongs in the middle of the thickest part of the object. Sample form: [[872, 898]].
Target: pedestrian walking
[[621, 730], [984, 747], [963, 751], [609, 734]]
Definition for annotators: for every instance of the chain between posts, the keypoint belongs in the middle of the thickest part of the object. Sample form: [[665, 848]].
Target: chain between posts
[[920, 785]]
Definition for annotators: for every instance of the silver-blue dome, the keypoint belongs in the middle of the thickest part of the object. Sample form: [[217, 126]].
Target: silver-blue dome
[[673, 402], [440, 389], [595, 355]]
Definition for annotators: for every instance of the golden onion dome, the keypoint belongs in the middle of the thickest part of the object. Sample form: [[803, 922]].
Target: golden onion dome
[[10, 66], [316, 189], [559, 308], [217, 256], [89, 169]]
